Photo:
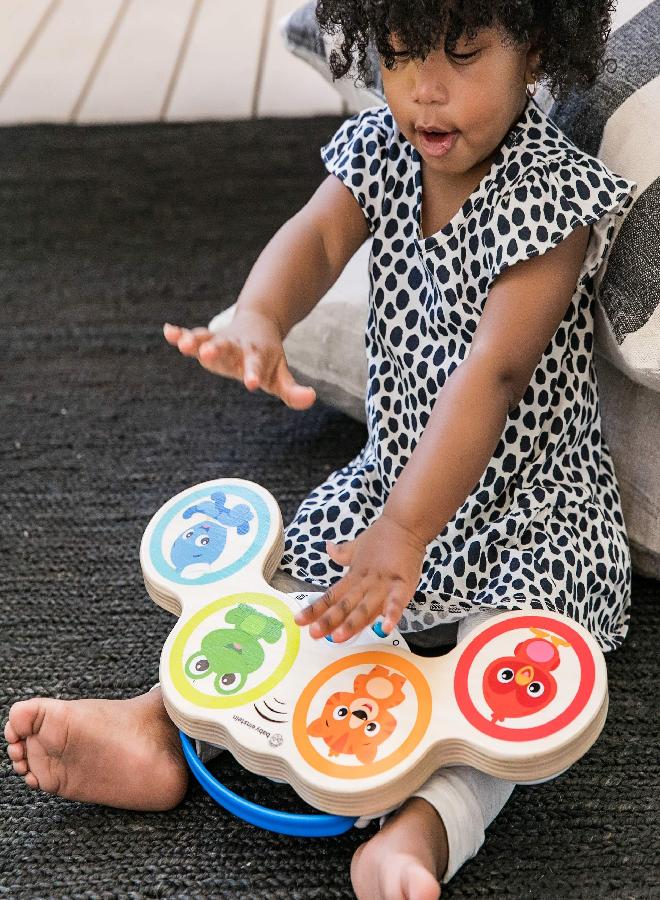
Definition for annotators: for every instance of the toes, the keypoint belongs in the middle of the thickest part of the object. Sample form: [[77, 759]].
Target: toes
[[11, 735], [417, 882], [23, 719], [21, 767], [406, 879], [31, 781], [16, 751]]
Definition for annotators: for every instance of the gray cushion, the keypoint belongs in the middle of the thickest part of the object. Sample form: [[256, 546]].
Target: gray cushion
[[631, 426]]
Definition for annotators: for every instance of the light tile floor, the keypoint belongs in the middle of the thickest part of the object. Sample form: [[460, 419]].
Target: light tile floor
[[87, 61]]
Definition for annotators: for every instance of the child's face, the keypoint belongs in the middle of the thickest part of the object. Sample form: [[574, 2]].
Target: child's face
[[477, 98]]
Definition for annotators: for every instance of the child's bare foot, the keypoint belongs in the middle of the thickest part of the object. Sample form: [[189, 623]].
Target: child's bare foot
[[123, 753], [405, 859]]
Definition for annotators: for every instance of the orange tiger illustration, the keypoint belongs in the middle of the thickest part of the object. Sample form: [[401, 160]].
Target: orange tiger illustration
[[357, 723]]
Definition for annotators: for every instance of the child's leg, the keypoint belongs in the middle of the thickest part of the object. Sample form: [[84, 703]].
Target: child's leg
[[434, 832], [442, 825], [466, 801], [430, 836], [123, 753]]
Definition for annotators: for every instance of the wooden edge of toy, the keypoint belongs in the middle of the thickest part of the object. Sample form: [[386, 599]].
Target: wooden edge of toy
[[372, 794], [352, 800], [355, 801]]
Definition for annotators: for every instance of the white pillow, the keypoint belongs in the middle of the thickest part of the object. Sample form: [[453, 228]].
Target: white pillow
[[630, 417], [618, 120]]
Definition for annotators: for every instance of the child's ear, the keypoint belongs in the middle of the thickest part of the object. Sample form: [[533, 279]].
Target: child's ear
[[533, 58], [532, 73]]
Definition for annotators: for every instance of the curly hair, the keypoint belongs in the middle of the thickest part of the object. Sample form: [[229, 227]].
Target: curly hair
[[570, 35]]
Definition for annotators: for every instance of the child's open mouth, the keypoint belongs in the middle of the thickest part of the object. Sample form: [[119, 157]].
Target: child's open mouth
[[436, 143]]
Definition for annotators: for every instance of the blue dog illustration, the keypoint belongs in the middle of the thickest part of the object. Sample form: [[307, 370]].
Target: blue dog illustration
[[197, 548]]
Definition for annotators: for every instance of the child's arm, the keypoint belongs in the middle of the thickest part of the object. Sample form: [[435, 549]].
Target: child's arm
[[523, 311], [296, 268]]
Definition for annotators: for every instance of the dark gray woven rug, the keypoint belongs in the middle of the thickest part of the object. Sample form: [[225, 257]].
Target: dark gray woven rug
[[105, 234]]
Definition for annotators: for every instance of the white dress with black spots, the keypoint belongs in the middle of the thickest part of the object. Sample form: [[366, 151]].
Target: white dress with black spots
[[544, 526]]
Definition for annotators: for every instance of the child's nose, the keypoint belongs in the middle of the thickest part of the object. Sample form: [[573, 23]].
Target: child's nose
[[430, 82]]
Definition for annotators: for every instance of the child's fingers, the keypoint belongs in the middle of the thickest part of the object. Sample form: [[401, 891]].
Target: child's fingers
[[175, 335], [287, 388], [188, 341], [222, 356], [335, 615], [341, 553], [343, 611], [392, 613], [252, 370], [364, 613], [172, 333], [191, 341], [315, 609]]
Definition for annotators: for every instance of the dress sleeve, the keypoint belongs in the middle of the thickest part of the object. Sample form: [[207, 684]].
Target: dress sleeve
[[549, 201], [358, 155]]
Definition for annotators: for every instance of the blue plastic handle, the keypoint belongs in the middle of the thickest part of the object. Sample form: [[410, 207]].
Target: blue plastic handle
[[295, 824]]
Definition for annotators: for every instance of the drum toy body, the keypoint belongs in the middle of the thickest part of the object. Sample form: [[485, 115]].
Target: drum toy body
[[355, 727]]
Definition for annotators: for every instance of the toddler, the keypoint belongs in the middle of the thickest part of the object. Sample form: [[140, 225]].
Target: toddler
[[485, 483]]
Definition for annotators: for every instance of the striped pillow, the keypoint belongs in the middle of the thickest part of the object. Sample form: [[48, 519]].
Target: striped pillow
[[618, 120], [303, 37]]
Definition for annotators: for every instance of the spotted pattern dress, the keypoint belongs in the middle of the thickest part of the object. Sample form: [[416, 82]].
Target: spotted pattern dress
[[544, 526]]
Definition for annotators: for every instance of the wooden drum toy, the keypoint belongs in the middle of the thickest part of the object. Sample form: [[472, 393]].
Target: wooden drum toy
[[354, 727]]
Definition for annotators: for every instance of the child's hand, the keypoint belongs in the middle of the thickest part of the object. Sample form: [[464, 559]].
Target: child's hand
[[385, 566], [248, 349]]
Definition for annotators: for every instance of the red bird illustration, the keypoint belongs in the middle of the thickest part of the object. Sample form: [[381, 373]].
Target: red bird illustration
[[522, 684]]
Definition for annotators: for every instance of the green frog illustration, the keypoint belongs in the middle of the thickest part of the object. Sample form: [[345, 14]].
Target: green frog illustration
[[234, 653]]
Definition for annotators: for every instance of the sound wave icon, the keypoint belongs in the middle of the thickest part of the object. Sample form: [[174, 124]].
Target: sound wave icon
[[272, 710]]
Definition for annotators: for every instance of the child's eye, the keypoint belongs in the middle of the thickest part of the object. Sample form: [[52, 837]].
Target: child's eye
[[463, 56], [404, 56]]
